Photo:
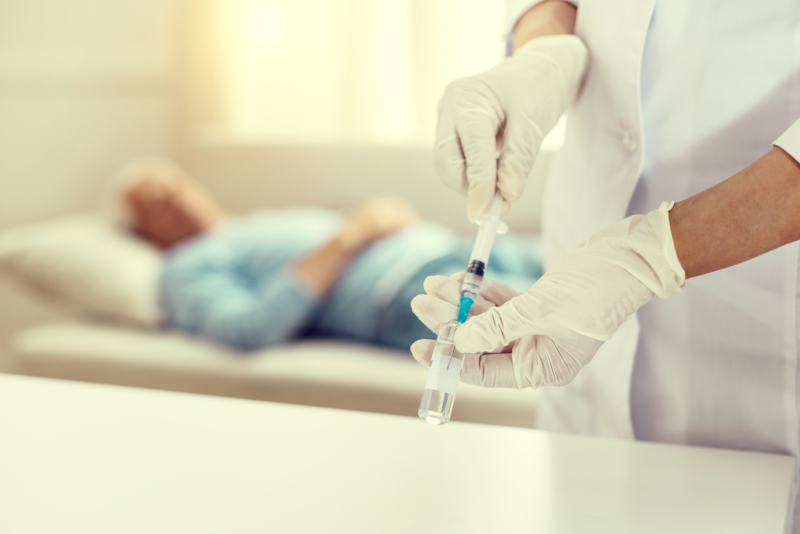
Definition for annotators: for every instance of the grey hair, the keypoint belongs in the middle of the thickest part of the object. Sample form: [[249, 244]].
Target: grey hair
[[126, 177]]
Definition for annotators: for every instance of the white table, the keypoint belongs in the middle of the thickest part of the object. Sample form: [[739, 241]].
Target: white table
[[88, 458]]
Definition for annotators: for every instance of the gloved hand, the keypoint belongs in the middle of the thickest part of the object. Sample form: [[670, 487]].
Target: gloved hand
[[544, 336], [507, 110]]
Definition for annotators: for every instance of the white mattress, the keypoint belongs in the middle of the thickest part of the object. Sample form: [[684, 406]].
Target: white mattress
[[333, 374]]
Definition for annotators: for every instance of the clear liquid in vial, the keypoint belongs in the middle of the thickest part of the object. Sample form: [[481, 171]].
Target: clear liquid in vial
[[439, 395]]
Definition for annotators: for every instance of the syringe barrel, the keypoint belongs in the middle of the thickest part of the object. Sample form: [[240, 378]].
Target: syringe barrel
[[487, 231], [443, 376], [473, 279]]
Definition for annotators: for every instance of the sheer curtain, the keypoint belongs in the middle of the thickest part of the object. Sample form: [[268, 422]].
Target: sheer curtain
[[334, 71]]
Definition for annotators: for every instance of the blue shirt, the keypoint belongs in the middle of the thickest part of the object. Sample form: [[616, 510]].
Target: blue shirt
[[236, 285]]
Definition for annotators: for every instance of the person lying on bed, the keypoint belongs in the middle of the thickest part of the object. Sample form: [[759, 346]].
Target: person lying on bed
[[275, 275]]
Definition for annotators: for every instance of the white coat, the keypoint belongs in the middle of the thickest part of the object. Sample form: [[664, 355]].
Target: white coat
[[672, 104]]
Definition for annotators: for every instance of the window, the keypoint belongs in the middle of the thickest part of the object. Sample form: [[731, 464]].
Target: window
[[335, 71]]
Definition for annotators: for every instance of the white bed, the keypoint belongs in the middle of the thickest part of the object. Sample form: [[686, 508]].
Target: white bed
[[44, 339], [111, 90]]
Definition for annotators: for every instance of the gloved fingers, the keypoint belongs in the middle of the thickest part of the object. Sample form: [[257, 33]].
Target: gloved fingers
[[449, 290], [493, 291], [448, 158], [434, 312], [422, 351], [489, 370], [496, 292], [477, 125], [458, 276], [449, 163], [544, 361], [522, 139], [478, 142], [500, 325]]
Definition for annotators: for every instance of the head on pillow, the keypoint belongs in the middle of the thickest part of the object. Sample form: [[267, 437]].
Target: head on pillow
[[162, 203]]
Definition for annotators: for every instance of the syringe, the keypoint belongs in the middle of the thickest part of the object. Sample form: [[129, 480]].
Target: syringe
[[440, 387], [489, 225]]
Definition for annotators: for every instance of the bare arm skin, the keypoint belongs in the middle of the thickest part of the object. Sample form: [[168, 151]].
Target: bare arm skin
[[551, 17], [372, 220], [323, 267], [754, 211]]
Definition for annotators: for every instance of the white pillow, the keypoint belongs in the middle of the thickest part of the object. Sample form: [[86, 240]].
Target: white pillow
[[89, 262]]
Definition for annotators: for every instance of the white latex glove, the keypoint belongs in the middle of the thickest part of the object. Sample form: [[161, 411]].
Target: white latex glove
[[544, 336], [492, 125]]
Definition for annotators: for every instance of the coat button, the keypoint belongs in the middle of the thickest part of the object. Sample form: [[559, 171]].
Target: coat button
[[630, 139]]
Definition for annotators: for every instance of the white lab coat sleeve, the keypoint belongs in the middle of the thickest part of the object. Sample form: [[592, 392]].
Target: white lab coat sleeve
[[516, 8], [790, 141]]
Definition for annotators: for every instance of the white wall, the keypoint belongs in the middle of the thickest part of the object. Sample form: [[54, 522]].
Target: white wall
[[245, 177], [87, 84], [84, 85]]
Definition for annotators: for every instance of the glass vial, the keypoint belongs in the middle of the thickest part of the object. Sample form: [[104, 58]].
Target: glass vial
[[440, 387]]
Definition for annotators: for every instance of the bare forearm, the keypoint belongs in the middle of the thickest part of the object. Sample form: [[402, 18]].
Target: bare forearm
[[323, 267], [551, 17], [370, 221], [753, 212]]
